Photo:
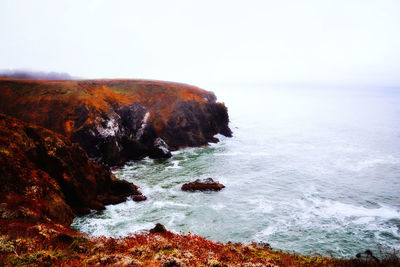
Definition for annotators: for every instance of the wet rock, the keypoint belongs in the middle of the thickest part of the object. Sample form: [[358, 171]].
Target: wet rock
[[139, 198], [371, 255], [159, 228], [126, 189], [203, 185], [159, 150]]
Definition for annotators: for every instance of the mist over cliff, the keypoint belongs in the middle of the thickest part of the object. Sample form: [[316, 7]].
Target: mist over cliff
[[37, 75], [196, 42]]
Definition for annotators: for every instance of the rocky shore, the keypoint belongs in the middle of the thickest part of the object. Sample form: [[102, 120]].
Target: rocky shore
[[57, 141], [46, 178]]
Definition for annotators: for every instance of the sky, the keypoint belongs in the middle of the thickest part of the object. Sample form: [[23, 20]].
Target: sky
[[299, 41]]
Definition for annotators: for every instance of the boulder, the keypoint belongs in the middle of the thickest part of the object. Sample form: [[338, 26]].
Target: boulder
[[203, 185], [159, 150], [139, 198], [159, 228]]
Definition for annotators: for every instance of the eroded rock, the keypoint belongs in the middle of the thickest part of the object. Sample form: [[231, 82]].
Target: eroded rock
[[159, 150], [119, 120], [203, 185], [44, 177], [159, 228]]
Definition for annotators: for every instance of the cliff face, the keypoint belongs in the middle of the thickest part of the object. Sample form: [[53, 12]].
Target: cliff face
[[46, 178], [119, 120]]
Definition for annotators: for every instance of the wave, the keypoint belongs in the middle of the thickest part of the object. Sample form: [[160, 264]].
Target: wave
[[329, 208]]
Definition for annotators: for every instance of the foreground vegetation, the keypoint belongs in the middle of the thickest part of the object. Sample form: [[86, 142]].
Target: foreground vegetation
[[50, 247], [46, 179]]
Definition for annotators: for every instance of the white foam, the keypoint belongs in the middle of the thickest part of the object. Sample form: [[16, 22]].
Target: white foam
[[229, 154], [363, 220], [175, 217], [370, 163], [161, 204], [265, 234], [175, 165], [260, 205], [267, 231], [134, 228], [218, 206], [328, 208], [185, 150], [250, 154]]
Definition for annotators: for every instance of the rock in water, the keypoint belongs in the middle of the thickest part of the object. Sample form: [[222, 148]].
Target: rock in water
[[139, 197], [118, 120], [203, 185]]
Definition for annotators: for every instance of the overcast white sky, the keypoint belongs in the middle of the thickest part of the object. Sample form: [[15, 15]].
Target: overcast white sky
[[213, 41]]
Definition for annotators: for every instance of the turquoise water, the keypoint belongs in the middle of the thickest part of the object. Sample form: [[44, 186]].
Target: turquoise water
[[308, 170]]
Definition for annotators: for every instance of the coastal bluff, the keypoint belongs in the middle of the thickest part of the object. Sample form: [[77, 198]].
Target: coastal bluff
[[47, 179], [118, 120]]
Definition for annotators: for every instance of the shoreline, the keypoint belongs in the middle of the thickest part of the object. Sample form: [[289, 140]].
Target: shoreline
[[48, 179], [157, 248]]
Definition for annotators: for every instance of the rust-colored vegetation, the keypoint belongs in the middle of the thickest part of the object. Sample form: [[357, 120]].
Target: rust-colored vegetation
[[46, 179], [54, 104], [117, 120], [50, 246]]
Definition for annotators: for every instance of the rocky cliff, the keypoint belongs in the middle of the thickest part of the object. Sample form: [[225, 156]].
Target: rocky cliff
[[46, 178], [118, 120]]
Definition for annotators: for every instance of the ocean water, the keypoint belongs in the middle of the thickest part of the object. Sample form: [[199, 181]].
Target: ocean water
[[309, 170]]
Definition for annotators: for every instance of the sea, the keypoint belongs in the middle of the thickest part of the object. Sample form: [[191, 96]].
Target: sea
[[310, 169]]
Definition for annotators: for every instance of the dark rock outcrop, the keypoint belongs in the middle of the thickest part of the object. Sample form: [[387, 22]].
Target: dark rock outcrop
[[203, 185], [159, 149], [46, 178], [119, 120], [158, 228]]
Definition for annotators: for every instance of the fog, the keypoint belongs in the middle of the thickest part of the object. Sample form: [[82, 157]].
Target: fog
[[206, 42], [312, 88], [39, 75]]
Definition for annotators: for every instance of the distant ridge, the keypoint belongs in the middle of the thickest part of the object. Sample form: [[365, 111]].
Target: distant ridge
[[37, 75]]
